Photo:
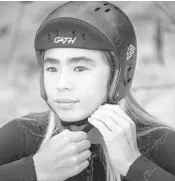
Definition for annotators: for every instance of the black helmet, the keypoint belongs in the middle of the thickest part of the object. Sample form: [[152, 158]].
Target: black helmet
[[97, 26]]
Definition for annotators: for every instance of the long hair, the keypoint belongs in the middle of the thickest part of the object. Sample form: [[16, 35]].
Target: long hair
[[145, 123]]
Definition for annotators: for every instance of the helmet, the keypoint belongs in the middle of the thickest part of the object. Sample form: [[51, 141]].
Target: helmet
[[92, 25]]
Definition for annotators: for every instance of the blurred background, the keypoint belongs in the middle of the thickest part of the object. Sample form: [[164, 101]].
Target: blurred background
[[154, 80]]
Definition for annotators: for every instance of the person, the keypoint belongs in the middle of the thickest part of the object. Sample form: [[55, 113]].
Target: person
[[94, 130]]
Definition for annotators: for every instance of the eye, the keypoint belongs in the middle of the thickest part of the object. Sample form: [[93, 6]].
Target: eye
[[51, 69], [80, 69]]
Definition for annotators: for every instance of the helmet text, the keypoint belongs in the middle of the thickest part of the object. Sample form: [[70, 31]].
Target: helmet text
[[69, 40]]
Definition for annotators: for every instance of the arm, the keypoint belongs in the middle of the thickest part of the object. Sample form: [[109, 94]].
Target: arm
[[18, 143], [163, 166], [144, 169], [20, 170]]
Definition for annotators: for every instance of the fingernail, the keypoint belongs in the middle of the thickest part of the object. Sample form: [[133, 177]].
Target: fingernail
[[89, 119]]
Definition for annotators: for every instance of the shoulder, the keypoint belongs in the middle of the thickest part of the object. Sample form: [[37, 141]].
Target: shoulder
[[155, 137], [21, 137], [159, 147], [152, 137], [31, 126], [33, 121]]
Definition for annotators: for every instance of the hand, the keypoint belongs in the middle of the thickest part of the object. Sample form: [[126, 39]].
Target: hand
[[119, 134], [63, 156]]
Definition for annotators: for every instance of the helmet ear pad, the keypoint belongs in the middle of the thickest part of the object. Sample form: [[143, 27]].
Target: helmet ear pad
[[114, 73], [40, 58], [121, 80], [42, 87], [127, 75]]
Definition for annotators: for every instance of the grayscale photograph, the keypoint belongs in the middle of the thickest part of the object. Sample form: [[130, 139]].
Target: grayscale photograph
[[87, 90]]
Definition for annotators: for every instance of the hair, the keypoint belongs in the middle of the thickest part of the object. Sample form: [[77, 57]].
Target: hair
[[145, 124]]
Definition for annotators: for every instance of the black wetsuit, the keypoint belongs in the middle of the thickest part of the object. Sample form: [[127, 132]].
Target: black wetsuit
[[20, 139]]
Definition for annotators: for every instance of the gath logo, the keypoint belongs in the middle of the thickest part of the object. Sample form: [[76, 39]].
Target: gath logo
[[130, 51], [69, 40]]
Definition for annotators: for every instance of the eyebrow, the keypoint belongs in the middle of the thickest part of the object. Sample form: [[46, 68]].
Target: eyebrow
[[81, 59]]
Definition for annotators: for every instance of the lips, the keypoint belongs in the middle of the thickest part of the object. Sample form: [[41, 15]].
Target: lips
[[66, 100], [66, 103]]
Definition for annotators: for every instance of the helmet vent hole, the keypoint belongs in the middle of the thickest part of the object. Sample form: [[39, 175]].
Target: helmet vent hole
[[49, 36], [83, 36], [105, 4], [57, 33], [73, 33], [129, 69], [97, 9], [129, 80], [107, 10]]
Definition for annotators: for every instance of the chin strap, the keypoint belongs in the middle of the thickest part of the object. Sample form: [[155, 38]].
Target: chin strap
[[86, 129], [76, 123]]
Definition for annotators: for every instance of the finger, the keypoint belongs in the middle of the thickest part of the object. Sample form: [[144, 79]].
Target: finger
[[117, 110], [81, 157], [60, 139], [79, 168], [127, 123], [82, 145], [114, 116], [78, 136], [74, 148], [111, 124], [123, 120], [67, 136], [70, 172], [106, 119], [100, 126], [75, 136], [115, 123]]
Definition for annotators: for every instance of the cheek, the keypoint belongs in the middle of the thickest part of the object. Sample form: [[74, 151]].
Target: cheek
[[49, 84], [96, 87], [101, 85]]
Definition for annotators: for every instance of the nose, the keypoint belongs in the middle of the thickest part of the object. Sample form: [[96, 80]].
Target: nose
[[63, 81]]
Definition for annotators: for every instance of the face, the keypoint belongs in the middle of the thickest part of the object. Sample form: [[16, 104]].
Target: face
[[76, 81]]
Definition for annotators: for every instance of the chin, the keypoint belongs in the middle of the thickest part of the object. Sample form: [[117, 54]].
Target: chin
[[72, 118]]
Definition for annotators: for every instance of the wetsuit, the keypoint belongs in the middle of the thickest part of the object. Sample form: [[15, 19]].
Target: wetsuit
[[20, 139]]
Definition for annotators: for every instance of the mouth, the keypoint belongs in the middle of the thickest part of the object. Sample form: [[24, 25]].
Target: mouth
[[66, 100], [66, 103]]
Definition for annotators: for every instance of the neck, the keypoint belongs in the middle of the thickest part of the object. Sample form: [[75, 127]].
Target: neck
[[76, 123]]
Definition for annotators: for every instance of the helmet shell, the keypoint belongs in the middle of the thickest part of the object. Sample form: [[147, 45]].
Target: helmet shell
[[92, 25]]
